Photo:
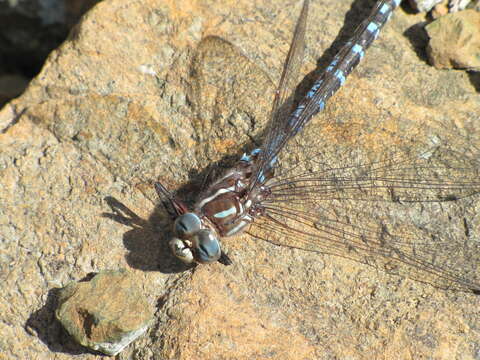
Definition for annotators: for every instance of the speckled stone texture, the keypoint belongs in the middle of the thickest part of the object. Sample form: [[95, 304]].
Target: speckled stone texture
[[131, 97], [455, 41], [105, 313]]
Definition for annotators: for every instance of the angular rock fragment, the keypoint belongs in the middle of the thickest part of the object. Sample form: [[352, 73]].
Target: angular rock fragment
[[106, 313], [455, 41]]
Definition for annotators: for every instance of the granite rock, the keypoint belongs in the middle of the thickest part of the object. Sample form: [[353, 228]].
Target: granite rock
[[158, 90], [105, 313], [455, 41]]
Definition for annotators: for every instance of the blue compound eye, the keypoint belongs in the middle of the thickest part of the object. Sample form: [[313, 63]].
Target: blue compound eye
[[186, 225], [206, 247]]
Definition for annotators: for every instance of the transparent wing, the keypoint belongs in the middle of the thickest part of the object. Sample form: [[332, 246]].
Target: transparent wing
[[282, 104], [435, 173], [226, 91], [393, 247], [284, 97], [390, 209]]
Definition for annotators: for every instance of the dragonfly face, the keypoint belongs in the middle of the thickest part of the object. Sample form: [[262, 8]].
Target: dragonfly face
[[192, 242]]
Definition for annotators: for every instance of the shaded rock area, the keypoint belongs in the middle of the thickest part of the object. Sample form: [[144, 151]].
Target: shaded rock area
[[29, 31], [455, 41], [176, 90], [11, 85], [106, 313]]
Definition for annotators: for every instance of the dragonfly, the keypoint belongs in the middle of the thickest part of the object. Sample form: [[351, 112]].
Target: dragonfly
[[303, 206]]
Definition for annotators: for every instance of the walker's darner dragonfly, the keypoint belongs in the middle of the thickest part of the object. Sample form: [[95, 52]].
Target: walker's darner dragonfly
[[301, 206]]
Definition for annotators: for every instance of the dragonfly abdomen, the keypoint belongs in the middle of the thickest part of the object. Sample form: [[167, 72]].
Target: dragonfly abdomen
[[342, 65], [326, 85]]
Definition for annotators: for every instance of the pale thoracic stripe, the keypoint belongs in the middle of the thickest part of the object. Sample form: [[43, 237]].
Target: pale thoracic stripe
[[240, 225], [225, 213], [219, 192]]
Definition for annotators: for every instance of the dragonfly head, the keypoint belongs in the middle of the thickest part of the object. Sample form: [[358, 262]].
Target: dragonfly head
[[192, 242]]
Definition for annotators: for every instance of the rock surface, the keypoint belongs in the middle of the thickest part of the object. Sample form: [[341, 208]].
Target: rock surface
[[106, 313], [455, 41], [160, 90]]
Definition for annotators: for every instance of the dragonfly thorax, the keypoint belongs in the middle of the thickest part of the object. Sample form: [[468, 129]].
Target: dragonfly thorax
[[225, 209]]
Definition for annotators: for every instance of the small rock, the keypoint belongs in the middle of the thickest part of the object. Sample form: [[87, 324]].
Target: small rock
[[455, 41], [440, 10], [106, 313], [424, 5]]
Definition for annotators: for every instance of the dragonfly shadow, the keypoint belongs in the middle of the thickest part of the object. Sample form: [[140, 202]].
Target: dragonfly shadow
[[147, 240]]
